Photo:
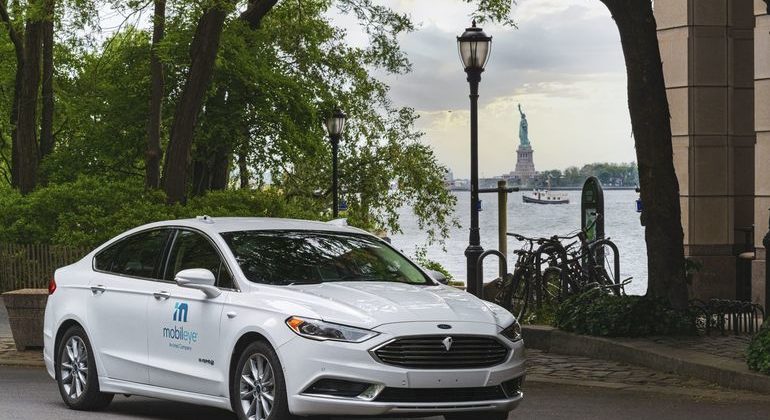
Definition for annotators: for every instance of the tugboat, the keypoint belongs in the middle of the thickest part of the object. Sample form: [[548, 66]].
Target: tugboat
[[545, 196]]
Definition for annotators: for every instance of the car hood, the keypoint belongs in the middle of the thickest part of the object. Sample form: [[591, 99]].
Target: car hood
[[371, 304]]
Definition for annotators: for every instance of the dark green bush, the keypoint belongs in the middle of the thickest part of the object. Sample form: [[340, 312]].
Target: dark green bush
[[758, 354], [91, 210], [597, 313]]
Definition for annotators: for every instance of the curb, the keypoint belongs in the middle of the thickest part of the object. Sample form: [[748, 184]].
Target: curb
[[724, 372], [711, 394]]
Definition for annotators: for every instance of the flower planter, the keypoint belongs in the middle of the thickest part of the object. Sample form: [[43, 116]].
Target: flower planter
[[26, 309]]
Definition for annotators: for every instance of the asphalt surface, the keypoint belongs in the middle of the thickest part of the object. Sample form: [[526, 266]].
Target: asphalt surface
[[29, 394]]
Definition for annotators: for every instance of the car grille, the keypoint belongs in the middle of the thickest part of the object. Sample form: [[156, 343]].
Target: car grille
[[429, 352], [441, 395]]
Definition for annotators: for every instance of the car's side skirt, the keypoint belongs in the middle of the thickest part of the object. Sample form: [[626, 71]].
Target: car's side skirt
[[115, 386]]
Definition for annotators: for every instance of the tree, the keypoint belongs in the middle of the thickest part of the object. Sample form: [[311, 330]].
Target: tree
[[46, 123], [153, 153], [26, 125], [650, 120], [18, 46]]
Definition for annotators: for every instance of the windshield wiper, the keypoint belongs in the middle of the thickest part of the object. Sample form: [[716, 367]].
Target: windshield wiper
[[299, 282]]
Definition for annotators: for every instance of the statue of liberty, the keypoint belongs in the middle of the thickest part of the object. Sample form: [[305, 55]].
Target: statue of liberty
[[523, 129]]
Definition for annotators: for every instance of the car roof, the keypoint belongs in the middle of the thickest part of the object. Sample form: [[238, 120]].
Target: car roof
[[235, 224]]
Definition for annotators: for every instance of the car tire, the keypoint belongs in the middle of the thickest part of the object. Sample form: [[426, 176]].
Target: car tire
[[478, 415], [76, 374], [258, 378]]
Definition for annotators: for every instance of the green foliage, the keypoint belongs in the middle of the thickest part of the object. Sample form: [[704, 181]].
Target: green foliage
[[610, 174], [758, 353], [421, 257], [91, 210], [597, 313]]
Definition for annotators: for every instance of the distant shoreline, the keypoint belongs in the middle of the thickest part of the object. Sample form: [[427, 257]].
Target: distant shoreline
[[560, 189]]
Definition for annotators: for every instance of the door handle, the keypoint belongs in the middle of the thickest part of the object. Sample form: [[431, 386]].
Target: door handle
[[161, 295], [97, 290]]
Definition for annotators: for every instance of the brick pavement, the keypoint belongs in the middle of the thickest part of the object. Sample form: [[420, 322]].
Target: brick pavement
[[584, 369], [729, 346]]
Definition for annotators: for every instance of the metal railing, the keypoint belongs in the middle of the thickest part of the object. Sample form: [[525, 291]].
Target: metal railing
[[725, 316], [25, 266]]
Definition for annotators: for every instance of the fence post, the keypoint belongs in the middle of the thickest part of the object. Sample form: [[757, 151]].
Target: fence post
[[502, 222]]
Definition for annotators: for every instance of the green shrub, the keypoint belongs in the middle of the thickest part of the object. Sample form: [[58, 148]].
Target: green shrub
[[597, 313], [91, 210], [758, 354]]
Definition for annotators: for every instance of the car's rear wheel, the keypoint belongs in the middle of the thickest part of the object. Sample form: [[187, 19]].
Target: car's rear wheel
[[258, 387], [478, 415], [76, 373]]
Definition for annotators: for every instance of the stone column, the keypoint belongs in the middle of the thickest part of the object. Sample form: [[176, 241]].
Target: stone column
[[706, 47], [762, 149]]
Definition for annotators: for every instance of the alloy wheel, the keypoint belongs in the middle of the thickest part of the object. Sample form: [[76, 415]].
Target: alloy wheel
[[257, 390], [74, 368]]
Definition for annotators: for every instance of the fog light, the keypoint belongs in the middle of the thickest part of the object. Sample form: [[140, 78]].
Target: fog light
[[512, 388], [372, 392], [338, 388]]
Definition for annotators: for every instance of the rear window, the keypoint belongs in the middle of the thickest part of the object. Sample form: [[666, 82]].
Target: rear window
[[301, 257], [138, 255]]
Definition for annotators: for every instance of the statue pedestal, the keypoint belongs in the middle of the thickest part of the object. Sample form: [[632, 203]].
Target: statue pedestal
[[525, 164]]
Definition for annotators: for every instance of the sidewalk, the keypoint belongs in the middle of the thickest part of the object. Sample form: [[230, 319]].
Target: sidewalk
[[715, 359]]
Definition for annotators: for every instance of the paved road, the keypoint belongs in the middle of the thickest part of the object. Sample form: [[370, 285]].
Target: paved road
[[29, 394]]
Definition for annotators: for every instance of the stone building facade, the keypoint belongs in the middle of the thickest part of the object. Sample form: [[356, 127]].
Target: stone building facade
[[716, 62]]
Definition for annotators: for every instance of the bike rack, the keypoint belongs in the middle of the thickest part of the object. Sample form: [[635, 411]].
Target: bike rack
[[480, 266]]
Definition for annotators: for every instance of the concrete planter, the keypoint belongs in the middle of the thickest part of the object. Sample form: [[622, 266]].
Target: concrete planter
[[26, 309]]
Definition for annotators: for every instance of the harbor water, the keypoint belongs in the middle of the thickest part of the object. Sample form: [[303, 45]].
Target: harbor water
[[621, 225]]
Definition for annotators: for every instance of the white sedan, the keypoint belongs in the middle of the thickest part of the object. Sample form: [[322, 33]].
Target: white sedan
[[272, 319]]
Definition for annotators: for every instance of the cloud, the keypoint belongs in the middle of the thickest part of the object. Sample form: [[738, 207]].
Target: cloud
[[564, 63]]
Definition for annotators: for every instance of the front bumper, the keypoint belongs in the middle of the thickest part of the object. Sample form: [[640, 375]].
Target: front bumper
[[306, 361]]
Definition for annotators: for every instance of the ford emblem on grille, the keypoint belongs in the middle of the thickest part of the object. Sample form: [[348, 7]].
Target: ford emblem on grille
[[447, 343], [445, 326]]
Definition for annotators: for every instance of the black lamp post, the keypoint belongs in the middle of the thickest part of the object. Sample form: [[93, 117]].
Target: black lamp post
[[474, 46], [335, 124]]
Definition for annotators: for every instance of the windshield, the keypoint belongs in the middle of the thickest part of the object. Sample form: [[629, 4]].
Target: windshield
[[305, 257]]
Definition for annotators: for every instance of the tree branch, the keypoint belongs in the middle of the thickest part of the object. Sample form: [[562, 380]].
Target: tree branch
[[256, 11], [15, 38]]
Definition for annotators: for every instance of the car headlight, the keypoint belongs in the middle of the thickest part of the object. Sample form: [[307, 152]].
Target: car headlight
[[513, 332], [316, 329]]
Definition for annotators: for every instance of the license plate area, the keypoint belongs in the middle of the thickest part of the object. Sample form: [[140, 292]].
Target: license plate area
[[447, 379]]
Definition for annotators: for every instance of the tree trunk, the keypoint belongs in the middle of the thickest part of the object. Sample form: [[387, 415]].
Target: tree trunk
[[152, 155], [651, 125], [220, 173], [203, 52], [18, 45], [28, 152], [243, 165], [46, 124]]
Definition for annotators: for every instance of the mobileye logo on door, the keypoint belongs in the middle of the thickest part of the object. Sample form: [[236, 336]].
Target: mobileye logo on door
[[180, 312], [180, 337]]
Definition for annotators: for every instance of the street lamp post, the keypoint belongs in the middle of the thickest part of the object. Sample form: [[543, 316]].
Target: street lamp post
[[334, 125], [474, 47]]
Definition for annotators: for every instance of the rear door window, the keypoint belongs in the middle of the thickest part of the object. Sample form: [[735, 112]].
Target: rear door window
[[139, 255]]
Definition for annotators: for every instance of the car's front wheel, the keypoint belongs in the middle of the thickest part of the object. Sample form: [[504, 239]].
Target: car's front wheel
[[76, 372], [258, 387], [478, 415]]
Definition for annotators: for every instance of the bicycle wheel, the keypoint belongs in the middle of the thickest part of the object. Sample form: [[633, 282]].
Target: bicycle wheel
[[607, 266], [516, 293]]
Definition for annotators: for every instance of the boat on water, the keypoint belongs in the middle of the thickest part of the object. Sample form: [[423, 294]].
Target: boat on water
[[545, 197]]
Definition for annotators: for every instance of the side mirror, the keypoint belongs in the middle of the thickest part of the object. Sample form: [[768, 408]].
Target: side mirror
[[438, 276], [200, 279]]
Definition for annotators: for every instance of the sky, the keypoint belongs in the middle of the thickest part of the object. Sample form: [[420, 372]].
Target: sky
[[563, 64]]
